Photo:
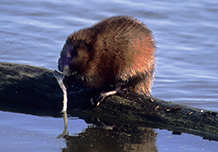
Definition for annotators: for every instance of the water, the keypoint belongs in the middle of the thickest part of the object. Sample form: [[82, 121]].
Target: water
[[186, 34]]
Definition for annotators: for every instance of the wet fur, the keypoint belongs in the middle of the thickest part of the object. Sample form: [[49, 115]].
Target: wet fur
[[117, 51]]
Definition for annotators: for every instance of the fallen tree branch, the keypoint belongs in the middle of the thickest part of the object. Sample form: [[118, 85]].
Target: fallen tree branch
[[34, 90]]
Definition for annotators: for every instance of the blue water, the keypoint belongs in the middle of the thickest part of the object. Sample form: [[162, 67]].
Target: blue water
[[186, 35]]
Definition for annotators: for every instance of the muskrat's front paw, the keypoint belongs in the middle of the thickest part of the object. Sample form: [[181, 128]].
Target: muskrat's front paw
[[101, 96], [97, 99]]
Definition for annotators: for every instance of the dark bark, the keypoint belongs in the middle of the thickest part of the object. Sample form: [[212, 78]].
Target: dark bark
[[34, 90]]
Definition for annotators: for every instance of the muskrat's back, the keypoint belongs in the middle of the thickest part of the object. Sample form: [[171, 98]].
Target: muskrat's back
[[117, 51]]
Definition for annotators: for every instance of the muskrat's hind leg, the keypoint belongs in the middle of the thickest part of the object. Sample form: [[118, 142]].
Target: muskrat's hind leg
[[101, 96]]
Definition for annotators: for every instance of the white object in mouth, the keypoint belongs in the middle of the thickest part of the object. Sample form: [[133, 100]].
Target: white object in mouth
[[59, 79]]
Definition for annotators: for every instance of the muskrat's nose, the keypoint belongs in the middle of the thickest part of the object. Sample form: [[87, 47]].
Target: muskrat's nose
[[63, 61]]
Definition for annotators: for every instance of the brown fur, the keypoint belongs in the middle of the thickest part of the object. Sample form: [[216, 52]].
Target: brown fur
[[117, 51]]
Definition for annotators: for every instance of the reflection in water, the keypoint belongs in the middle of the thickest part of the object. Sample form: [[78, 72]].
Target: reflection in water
[[119, 139]]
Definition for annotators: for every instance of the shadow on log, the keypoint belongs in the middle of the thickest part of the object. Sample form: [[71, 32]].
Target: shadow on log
[[34, 90]]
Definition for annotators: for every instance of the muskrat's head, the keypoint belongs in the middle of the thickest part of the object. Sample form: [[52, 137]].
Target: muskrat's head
[[75, 56]]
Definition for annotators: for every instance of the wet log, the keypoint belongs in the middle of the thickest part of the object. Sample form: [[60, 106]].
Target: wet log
[[34, 90]]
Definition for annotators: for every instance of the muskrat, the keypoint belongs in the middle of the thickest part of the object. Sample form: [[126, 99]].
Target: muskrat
[[117, 51]]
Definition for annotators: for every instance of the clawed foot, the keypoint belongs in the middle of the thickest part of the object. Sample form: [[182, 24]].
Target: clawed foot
[[99, 98]]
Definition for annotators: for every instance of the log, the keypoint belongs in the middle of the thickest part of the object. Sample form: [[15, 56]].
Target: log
[[34, 90]]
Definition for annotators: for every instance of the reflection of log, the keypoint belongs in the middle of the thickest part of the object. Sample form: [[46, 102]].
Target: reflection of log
[[126, 139], [34, 90]]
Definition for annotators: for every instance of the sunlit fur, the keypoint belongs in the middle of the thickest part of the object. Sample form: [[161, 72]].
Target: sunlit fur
[[116, 51]]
